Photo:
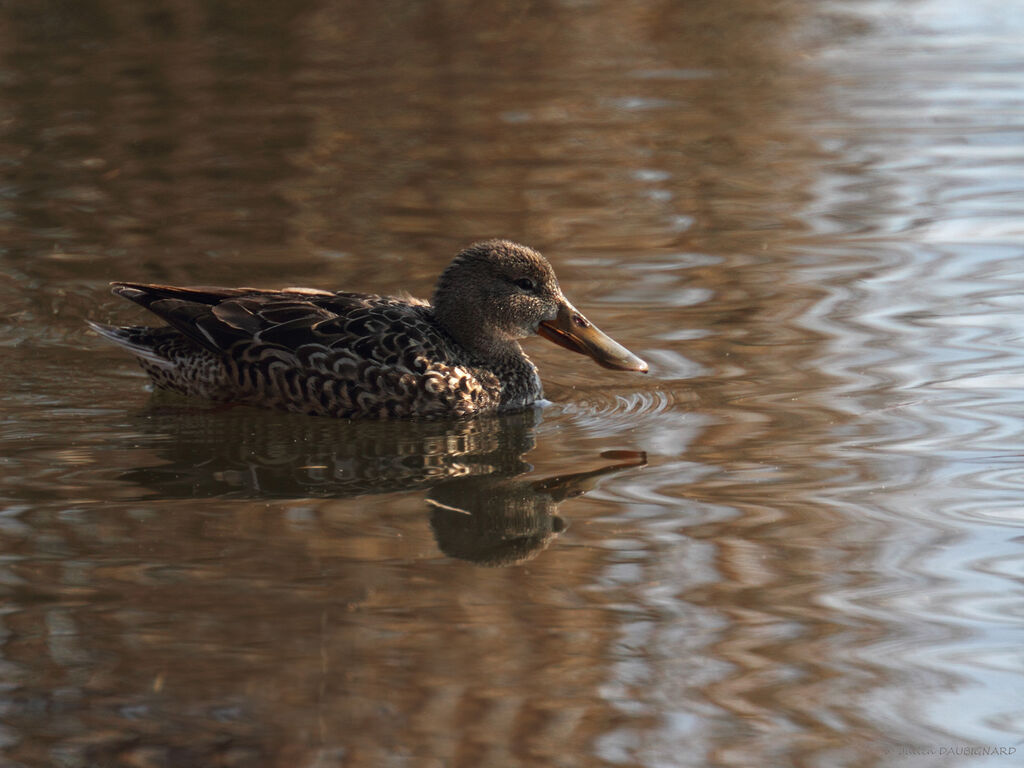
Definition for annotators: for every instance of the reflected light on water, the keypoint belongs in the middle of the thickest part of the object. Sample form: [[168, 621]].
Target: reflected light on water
[[796, 542]]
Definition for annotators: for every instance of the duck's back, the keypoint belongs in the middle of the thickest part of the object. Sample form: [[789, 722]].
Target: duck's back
[[332, 354]]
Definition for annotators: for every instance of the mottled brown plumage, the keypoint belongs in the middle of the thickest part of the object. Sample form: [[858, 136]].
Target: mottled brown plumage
[[361, 355]]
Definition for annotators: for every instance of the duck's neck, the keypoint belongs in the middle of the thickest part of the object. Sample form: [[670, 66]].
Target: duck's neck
[[484, 345], [520, 384]]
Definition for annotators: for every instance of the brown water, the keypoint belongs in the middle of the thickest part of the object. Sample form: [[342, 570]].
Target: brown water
[[808, 217]]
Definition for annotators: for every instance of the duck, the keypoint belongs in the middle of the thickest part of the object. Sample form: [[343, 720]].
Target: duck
[[357, 355]]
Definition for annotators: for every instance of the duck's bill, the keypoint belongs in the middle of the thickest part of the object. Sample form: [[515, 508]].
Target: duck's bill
[[572, 330]]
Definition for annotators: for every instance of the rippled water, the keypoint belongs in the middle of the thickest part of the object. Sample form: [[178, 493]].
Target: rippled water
[[796, 542]]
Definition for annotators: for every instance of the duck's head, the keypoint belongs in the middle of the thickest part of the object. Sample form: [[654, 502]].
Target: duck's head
[[497, 291]]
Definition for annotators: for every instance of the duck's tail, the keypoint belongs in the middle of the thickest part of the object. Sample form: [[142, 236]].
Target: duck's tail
[[141, 341]]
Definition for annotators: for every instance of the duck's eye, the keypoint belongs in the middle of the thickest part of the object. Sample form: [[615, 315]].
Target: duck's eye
[[525, 283]]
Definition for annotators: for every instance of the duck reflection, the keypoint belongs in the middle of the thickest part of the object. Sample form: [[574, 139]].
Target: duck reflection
[[495, 520], [482, 507]]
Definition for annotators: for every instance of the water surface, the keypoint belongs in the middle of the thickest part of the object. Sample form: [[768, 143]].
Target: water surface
[[796, 542]]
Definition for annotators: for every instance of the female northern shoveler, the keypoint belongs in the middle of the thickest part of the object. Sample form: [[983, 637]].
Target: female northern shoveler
[[361, 355]]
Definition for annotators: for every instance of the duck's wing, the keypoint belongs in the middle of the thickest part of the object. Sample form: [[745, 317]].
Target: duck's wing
[[361, 326], [219, 318]]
